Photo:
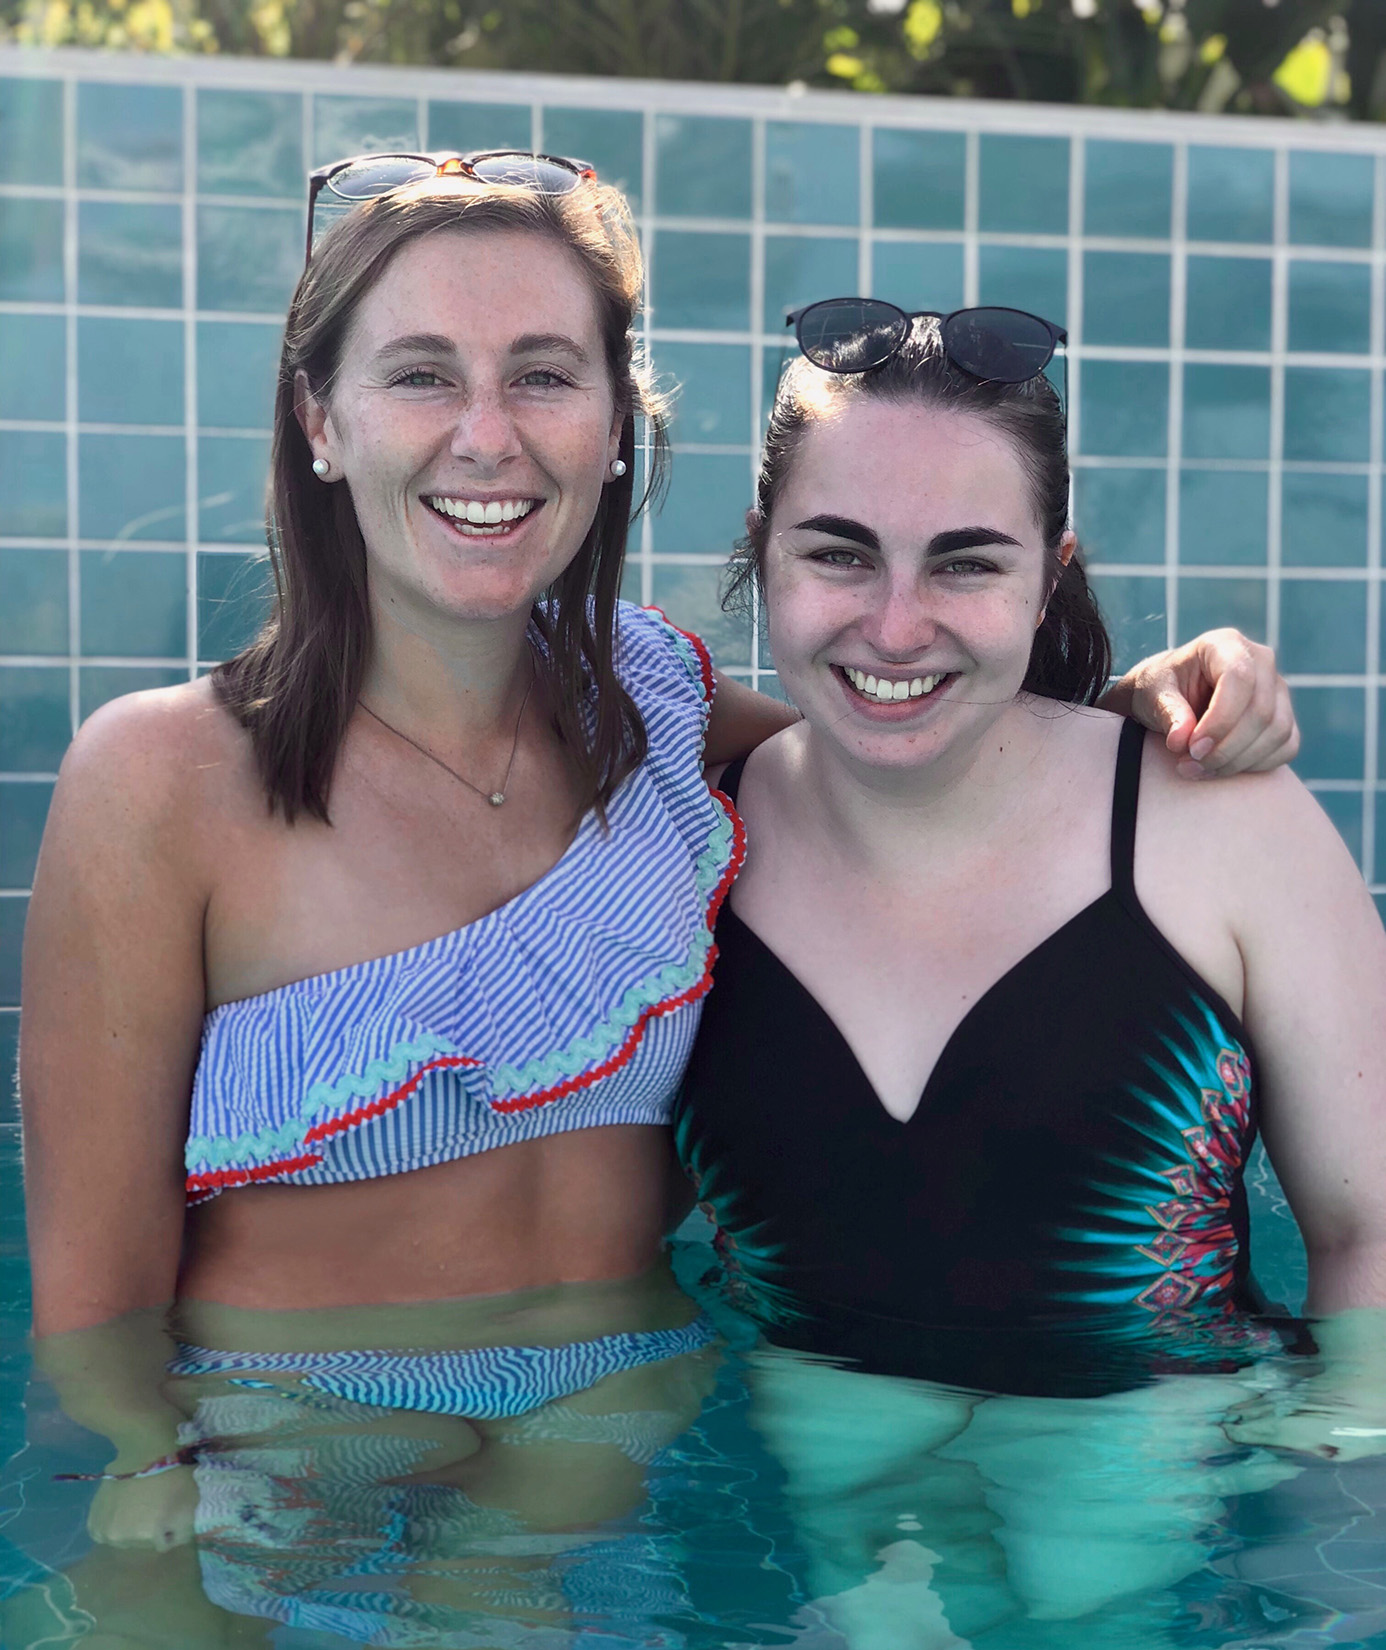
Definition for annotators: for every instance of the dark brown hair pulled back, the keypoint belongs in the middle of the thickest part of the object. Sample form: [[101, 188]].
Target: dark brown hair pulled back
[[294, 689], [1072, 655]]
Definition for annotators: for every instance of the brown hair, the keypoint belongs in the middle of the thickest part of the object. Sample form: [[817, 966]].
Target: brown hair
[[294, 689], [1072, 654]]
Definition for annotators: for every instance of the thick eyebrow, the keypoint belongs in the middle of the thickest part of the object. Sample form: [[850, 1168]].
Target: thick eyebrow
[[436, 343], [967, 538], [422, 343], [536, 343], [840, 527]]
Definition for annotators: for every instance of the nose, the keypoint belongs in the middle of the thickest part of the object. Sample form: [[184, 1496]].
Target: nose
[[485, 432], [902, 622]]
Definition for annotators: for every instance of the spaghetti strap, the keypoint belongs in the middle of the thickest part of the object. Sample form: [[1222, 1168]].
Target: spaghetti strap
[[1125, 791], [730, 782]]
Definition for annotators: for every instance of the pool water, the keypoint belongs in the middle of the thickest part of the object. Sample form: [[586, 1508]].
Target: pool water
[[728, 1496]]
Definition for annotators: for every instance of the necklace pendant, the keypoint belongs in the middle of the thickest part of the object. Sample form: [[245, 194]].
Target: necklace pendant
[[496, 798]]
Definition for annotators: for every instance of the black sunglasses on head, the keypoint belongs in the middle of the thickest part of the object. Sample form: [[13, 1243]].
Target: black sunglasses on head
[[1007, 346], [363, 177]]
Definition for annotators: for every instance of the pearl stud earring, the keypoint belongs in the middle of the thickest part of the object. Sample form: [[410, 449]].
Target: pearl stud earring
[[618, 467], [321, 468]]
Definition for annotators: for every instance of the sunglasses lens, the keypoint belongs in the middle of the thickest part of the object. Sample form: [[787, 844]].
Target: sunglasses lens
[[378, 175], [1005, 345], [546, 177], [851, 334]]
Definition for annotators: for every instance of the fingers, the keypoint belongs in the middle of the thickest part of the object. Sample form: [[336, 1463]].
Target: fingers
[[1245, 718]]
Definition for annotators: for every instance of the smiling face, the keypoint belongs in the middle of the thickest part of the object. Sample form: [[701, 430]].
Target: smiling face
[[474, 419], [904, 577]]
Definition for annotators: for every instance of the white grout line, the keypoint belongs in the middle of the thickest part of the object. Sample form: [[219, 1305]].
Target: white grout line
[[191, 481], [1371, 774], [71, 402], [1178, 313], [1280, 277]]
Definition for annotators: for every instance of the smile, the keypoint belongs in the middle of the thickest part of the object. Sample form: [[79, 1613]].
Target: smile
[[482, 518], [884, 690]]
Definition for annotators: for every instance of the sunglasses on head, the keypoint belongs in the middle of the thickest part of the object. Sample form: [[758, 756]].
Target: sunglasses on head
[[1006, 346], [363, 177]]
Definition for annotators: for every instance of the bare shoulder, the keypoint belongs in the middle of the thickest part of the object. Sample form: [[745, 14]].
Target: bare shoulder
[[156, 766]]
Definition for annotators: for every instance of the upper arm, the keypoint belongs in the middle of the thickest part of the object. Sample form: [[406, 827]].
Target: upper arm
[[113, 998], [1314, 952], [741, 719]]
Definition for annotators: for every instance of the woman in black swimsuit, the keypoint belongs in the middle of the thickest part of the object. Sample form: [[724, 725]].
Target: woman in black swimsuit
[[989, 1044]]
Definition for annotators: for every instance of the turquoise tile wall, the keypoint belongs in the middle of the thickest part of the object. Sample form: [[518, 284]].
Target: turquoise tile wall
[[1222, 282]]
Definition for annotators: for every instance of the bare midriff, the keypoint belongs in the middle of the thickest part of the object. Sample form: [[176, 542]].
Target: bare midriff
[[579, 1207]]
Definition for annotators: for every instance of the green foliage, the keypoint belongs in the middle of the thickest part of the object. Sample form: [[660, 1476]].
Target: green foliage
[[1255, 56]]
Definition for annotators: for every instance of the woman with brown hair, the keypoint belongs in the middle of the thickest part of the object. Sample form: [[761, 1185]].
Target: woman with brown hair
[[365, 969]]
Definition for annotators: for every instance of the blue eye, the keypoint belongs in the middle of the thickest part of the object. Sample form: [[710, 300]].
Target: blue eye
[[545, 378], [417, 378]]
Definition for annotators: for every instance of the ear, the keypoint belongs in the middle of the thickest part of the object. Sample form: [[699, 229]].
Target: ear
[[1067, 545], [613, 443], [315, 420], [753, 520]]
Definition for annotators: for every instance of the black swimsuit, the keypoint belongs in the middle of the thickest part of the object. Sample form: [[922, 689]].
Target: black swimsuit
[[1073, 1169]]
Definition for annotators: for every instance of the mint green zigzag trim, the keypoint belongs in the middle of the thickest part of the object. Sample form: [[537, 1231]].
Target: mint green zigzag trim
[[287, 1138], [686, 651], [549, 1069]]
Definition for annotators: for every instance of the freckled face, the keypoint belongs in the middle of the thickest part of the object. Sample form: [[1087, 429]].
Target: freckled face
[[474, 420], [903, 580]]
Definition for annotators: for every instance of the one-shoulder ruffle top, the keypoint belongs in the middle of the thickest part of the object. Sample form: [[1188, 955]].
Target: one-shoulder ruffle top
[[570, 1006]]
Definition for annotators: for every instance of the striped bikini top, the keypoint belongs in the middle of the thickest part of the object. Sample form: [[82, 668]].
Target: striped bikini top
[[570, 1006]]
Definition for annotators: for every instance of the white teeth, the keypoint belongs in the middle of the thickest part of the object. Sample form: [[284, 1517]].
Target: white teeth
[[493, 513], [476, 513], [885, 691]]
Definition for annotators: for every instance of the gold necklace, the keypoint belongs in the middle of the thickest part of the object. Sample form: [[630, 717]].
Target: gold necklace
[[496, 797]]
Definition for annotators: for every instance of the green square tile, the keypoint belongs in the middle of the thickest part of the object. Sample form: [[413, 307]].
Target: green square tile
[[801, 269], [132, 487], [1226, 411], [31, 131], [692, 599], [344, 126], [704, 511], [1125, 409], [99, 684], [1209, 604], [1231, 194], [35, 721], [234, 597], [1323, 520], [129, 137], [1025, 277], [1330, 198], [1223, 517], [812, 172], [1332, 724], [468, 127], [134, 604], [702, 167], [1330, 306], [131, 372], [1328, 414], [130, 254], [12, 915], [1134, 607], [1323, 626], [23, 813], [248, 258], [33, 601], [1126, 298], [701, 280], [250, 143], [1024, 184], [1344, 808], [713, 399], [232, 476], [631, 582], [33, 484], [919, 179], [1127, 188], [31, 250], [1228, 303], [919, 275], [611, 139], [1380, 902], [33, 367], [1120, 514], [237, 370]]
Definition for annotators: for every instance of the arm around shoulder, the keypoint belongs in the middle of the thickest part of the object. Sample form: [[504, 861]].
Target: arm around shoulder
[[113, 997]]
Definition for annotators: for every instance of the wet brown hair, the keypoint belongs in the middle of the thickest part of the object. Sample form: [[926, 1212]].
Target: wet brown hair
[[294, 689], [1072, 654]]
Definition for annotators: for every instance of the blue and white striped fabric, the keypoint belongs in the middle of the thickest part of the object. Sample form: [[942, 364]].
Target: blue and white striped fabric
[[572, 1005]]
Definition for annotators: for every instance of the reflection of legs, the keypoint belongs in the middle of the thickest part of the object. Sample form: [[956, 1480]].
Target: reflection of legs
[[1100, 1498], [898, 1539]]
